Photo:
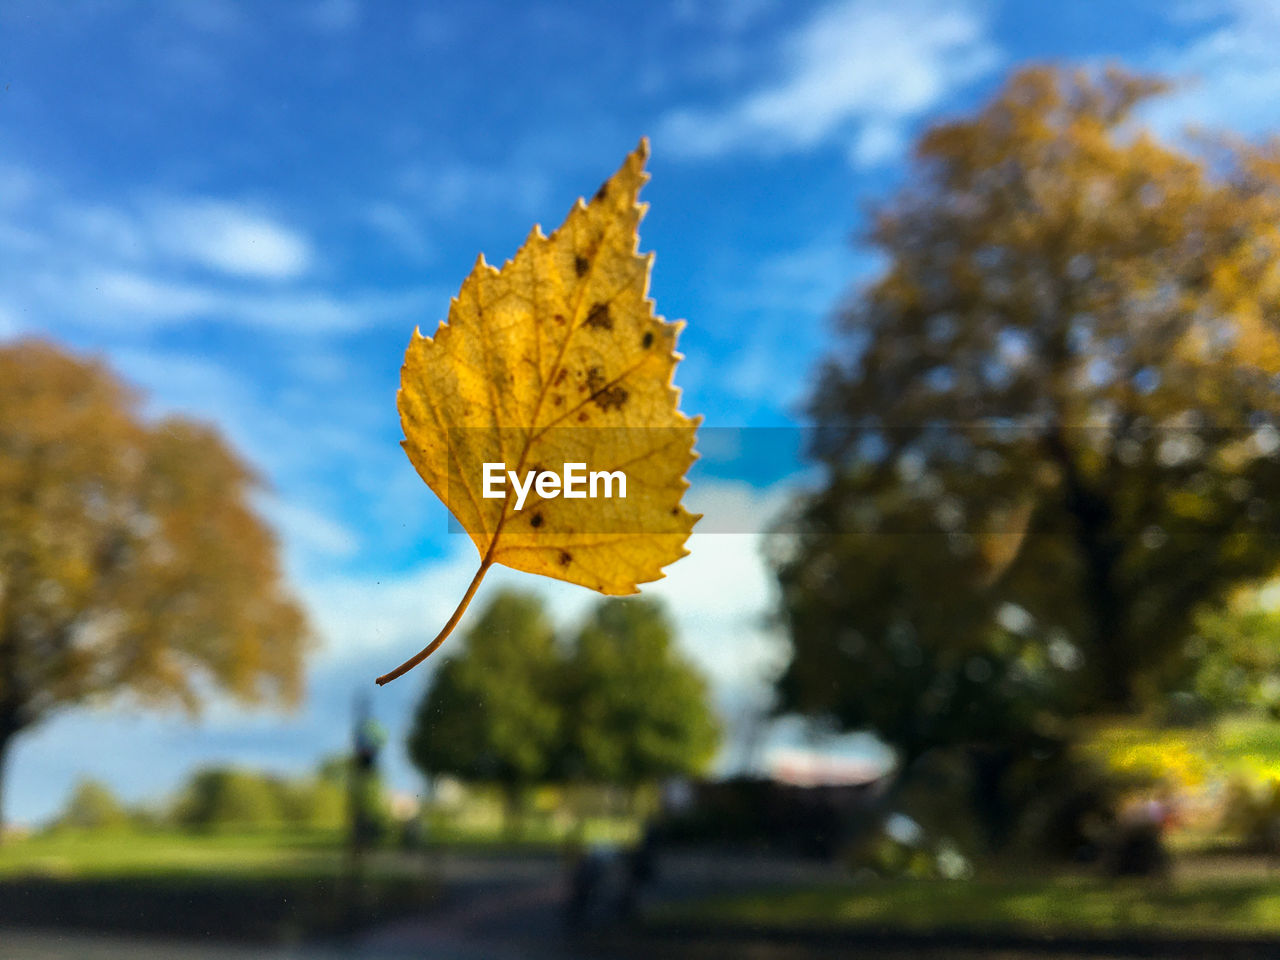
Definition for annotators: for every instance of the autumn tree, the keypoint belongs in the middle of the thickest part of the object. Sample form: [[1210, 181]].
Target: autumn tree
[[491, 712], [1049, 430], [131, 562], [637, 711]]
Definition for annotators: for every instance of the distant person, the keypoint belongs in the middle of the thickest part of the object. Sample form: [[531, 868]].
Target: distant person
[[586, 880], [1139, 845], [641, 871]]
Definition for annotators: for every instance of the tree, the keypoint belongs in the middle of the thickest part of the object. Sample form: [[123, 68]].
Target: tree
[[313, 803], [1049, 431], [637, 710], [93, 806], [617, 705], [1236, 658], [130, 559], [224, 798], [491, 712]]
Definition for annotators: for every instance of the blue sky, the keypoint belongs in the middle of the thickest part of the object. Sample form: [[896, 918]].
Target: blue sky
[[247, 208]]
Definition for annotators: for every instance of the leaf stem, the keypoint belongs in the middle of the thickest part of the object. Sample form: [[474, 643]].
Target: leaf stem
[[430, 648]]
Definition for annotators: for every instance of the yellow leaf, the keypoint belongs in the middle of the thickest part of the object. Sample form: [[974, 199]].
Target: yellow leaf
[[557, 359]]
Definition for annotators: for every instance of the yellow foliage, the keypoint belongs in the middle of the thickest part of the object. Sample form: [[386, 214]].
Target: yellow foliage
[[130, 558], [558, 358]]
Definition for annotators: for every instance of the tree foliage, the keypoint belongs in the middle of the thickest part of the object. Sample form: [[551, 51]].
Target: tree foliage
[[492, 712], [130, 559], [1236, 657], [514, 707], [93, 806], [636, 710], [224, 798], [221, 799], [1049, 437], [1049, 430]]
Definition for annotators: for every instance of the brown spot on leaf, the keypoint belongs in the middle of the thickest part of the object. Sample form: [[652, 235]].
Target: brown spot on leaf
[[536, 520], [599, 319], [580, 265], [560, 377], [602, 395], [612, 399], [582, 417], [601, 193], [559, 318], [558, 399], [647, 342], [565, 558]]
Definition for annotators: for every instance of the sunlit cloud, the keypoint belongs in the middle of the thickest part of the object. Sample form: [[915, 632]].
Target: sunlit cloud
[[161, 261], [856, 72], [719, 596], [1228, 76], [450, 189], [307, 530], [399, 229], [228, 238], [139, 300], [9, 326]]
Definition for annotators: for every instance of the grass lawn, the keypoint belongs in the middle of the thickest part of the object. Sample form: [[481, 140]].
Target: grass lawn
[[1081, 906], [261, 887], [134, 854]]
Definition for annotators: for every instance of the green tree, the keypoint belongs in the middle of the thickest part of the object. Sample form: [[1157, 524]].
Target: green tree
[[637, 710], [130, 559], [228, 799], [1236, 657], [93, 806], [312, 803], [1049, 430], [491, 712]]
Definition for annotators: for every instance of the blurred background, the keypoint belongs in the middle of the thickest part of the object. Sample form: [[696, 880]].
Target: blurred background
[[977, 649]]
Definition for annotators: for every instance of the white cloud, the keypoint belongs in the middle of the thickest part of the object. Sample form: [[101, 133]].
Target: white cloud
[[876, 143], [1229, 76], [452, 189], [142, 297], [719, 596], [789, 299], [806, 280], [135, 301], [857, 72], [9, 325], [176, 382], [307, 531], [400, 229], [140, 265], [295, 452], [229, 238]]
